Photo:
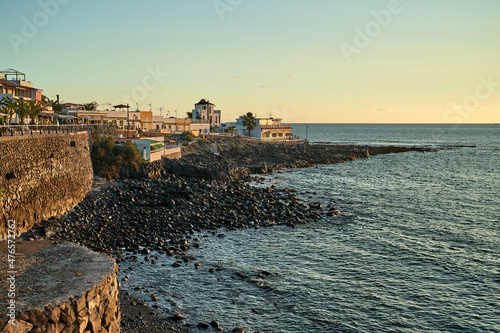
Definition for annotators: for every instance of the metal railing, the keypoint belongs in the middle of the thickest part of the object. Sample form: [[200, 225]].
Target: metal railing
[[283, 126], [15, 130]]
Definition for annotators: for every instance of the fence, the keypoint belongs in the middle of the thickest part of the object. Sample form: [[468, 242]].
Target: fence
[[12, 130]]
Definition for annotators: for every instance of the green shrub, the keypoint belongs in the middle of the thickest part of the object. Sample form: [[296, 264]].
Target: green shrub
[[108, 158], [204, 142], [187, 136]]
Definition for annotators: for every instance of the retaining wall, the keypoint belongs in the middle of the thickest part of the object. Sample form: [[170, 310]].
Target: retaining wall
[[65, 288], [42, 176]]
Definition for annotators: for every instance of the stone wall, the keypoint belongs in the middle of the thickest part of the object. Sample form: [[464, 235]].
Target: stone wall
[[65, 288], [42, 176]]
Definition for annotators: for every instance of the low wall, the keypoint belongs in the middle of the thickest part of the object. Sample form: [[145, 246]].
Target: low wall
[[64, 288], [173, 153], [42, 176]]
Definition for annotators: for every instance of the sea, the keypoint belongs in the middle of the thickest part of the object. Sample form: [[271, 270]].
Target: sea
[[415, 249]]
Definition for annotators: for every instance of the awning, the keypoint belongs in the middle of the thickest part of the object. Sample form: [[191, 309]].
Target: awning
[[156, 146]]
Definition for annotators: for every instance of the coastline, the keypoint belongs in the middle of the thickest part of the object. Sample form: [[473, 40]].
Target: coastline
[[201, 191]]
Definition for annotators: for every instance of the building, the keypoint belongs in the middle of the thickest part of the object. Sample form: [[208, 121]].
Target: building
[[205, 111], [271, 129], [266, 129], [153, 149], [13, 84]]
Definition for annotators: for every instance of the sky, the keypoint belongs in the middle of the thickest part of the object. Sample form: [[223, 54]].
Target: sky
[[316, 61]]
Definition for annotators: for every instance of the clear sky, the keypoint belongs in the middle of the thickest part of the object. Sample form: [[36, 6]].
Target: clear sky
[[335, 61]]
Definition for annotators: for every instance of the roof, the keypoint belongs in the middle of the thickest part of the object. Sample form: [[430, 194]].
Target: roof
[[156, 146], [8, 83], [151, 141], [203, 101]]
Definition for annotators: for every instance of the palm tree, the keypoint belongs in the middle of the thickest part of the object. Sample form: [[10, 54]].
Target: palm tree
[[34, 109], [9, 107], [90, 106], [22, 110], [249, 122]]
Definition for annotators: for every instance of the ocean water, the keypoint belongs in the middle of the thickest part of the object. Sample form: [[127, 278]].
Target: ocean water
[[417, 248]]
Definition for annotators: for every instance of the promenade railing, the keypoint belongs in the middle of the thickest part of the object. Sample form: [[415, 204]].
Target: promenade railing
[[16, 130]]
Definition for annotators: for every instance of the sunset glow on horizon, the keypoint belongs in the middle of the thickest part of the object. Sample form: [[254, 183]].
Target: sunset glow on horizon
[[318, 61]]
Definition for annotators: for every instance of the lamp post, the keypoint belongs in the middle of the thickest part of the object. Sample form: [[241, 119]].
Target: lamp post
[[128, 108]]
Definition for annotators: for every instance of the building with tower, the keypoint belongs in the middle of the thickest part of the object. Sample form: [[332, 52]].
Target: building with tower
[[204, 112]]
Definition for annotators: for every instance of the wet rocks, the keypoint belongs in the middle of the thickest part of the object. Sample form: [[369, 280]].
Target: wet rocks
[[130, 214], [177, 264], [203, 325], [178, 317]]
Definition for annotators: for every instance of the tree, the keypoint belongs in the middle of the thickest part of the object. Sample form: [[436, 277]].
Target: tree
[[90, 106], [9, 107], [55, 105], [187, 136], [22, 110], [34, 109], [249, 122], [108, 159], [189, 115], [231, 129]]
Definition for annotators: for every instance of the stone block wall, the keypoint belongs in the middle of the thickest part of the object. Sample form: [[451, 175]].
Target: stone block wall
[[42, 176], [65, 288]]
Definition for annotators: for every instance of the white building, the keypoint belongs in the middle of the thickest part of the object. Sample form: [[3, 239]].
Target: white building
[[266, 129], [153, 149], [204, 110]]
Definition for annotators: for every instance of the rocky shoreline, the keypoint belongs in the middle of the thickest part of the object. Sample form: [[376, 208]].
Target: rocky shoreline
[[162, 205]]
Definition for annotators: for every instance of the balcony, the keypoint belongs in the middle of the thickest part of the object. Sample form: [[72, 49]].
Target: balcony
[[276, 126], [200, 121]]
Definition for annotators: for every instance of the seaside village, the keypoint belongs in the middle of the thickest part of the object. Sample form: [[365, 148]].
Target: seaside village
[[24, 110]]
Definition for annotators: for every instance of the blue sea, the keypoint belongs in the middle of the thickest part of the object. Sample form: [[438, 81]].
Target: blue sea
[[416, 249]]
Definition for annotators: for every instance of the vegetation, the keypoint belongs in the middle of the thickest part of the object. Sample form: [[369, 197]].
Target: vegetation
[[55, 105], [109, 158], [187, 136], [90, 106], [34, 108], [101, 131], [22, 110], [189, 115], [249, 122], [9, 106]]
